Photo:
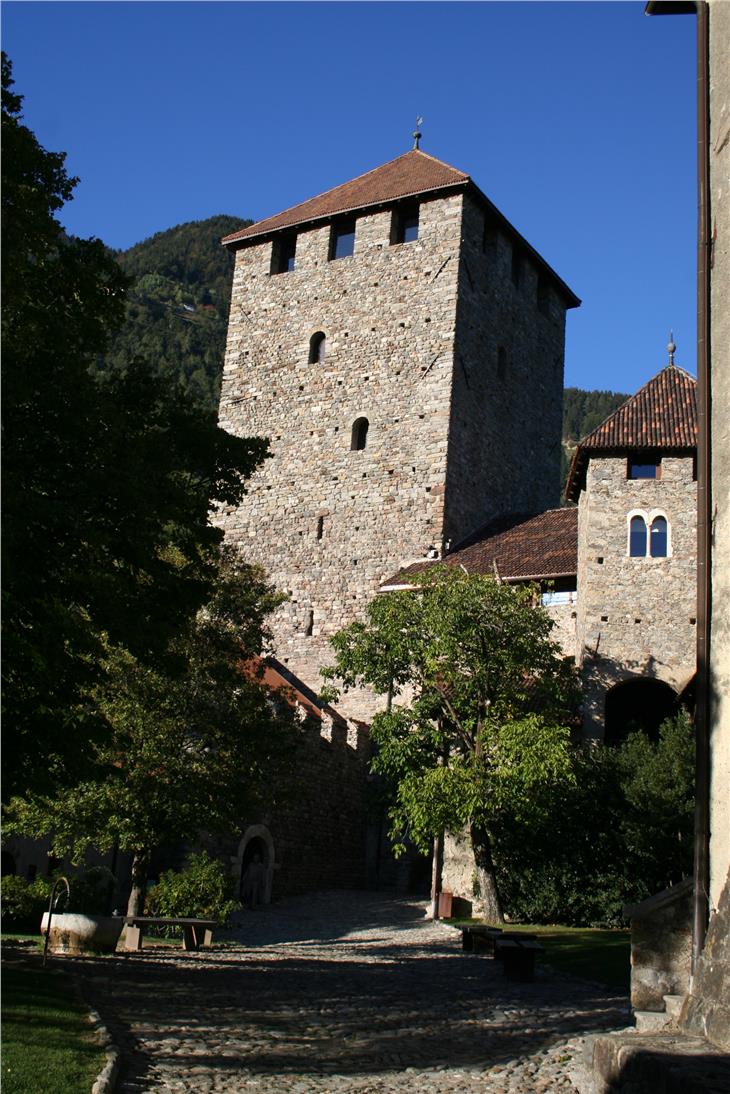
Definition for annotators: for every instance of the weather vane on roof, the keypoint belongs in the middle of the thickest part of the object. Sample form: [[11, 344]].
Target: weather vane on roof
[[671, 348], [417, 133]]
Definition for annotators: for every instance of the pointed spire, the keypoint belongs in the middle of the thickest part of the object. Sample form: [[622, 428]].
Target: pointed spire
[[417, 133], [671, 348]]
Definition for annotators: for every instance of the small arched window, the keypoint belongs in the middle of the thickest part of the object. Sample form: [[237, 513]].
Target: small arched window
[[317, 347], [359, 434], [637, 537], [658, 538]]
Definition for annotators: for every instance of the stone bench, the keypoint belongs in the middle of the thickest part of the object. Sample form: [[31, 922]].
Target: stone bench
[[196, 932]]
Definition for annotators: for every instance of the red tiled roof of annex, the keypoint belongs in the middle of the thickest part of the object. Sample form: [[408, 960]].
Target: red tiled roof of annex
[[414, 172], [662, 414], [516, 548]]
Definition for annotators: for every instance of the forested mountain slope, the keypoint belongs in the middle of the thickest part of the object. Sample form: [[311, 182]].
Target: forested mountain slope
[[177, 310]]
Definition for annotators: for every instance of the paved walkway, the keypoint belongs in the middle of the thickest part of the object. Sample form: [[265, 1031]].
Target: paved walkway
[[341, 992]]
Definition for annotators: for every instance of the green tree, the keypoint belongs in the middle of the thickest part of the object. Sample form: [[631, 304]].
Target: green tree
[[106, 484], [481, 725], [190, 748]]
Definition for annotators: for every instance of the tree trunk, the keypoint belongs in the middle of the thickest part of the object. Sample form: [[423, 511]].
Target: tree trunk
[[135, 904], [488, 892]]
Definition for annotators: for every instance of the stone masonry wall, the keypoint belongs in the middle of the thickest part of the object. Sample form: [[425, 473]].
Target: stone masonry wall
[[506, 409], [329, 524], [317, 824], [720, 441], [636, 616]]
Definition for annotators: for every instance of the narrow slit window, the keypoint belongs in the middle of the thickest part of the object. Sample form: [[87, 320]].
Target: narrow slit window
[[658, 538], [543, 295], [359, 434], [342, 239], [637, 537], [310, 625], [489, 234], [517, 266], [501, 362], [317, 347], [320, 527]]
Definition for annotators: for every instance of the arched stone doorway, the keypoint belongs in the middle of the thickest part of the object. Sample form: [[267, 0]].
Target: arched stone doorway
[[640, 703], [256, 841]]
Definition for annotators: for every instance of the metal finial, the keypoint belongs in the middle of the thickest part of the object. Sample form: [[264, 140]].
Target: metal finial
[[671, 348], [417, 133]]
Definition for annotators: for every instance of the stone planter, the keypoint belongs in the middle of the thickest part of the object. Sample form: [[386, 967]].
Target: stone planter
[[77, 934]]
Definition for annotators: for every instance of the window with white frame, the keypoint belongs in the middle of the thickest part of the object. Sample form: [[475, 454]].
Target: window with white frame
[[648, 535]]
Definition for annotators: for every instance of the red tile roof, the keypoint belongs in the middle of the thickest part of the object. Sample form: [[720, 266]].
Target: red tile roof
[[661, 415], [413, 173], [521, 548]]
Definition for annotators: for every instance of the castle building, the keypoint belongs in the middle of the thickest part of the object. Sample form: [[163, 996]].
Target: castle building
[[618, 571], [635, 481], [401, 345]]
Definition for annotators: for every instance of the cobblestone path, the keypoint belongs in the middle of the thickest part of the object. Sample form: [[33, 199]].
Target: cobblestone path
[[341, 992]]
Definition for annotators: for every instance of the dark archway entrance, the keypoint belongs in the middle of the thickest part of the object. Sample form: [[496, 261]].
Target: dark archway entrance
[[252, 885], [642, 703]]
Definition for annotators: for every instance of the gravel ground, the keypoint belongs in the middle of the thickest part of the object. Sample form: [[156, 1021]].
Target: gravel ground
[[341, 992]]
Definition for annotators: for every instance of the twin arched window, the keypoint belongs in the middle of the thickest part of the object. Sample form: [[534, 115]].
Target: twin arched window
[[651, 540]]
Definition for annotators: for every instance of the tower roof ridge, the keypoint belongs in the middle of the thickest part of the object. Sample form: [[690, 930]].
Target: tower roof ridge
[[413, 172]]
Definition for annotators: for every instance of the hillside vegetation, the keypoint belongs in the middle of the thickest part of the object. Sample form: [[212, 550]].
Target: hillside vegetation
[[178, 312], [177, 309]]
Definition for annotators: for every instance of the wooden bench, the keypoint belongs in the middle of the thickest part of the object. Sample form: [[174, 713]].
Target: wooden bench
[[196, 932], [481, 937], [477, 936], [518, 956]]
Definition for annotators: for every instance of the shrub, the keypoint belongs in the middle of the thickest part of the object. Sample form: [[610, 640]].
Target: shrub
[[24, 902], [91, 891], [623, 832], [202, 890]]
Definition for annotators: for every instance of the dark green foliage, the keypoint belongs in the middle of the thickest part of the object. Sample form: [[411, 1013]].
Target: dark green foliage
[[177, 306], [202, 890], [106, 483], [621, 832], [583, 411], [91, 891], [193, 743], [24, 902]]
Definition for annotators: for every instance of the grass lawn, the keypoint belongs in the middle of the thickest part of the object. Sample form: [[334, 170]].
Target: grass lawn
[[48, 1046], [588, 952]]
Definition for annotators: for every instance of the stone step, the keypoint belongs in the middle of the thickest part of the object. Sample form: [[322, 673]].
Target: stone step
[[651, 1021], [673, 1005], [665, 1062]]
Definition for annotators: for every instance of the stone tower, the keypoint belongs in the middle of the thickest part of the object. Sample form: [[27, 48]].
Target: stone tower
[[401, 345], [634, 478]]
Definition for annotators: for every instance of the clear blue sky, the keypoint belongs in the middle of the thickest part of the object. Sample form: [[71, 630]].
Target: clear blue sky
[[576, 119]]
